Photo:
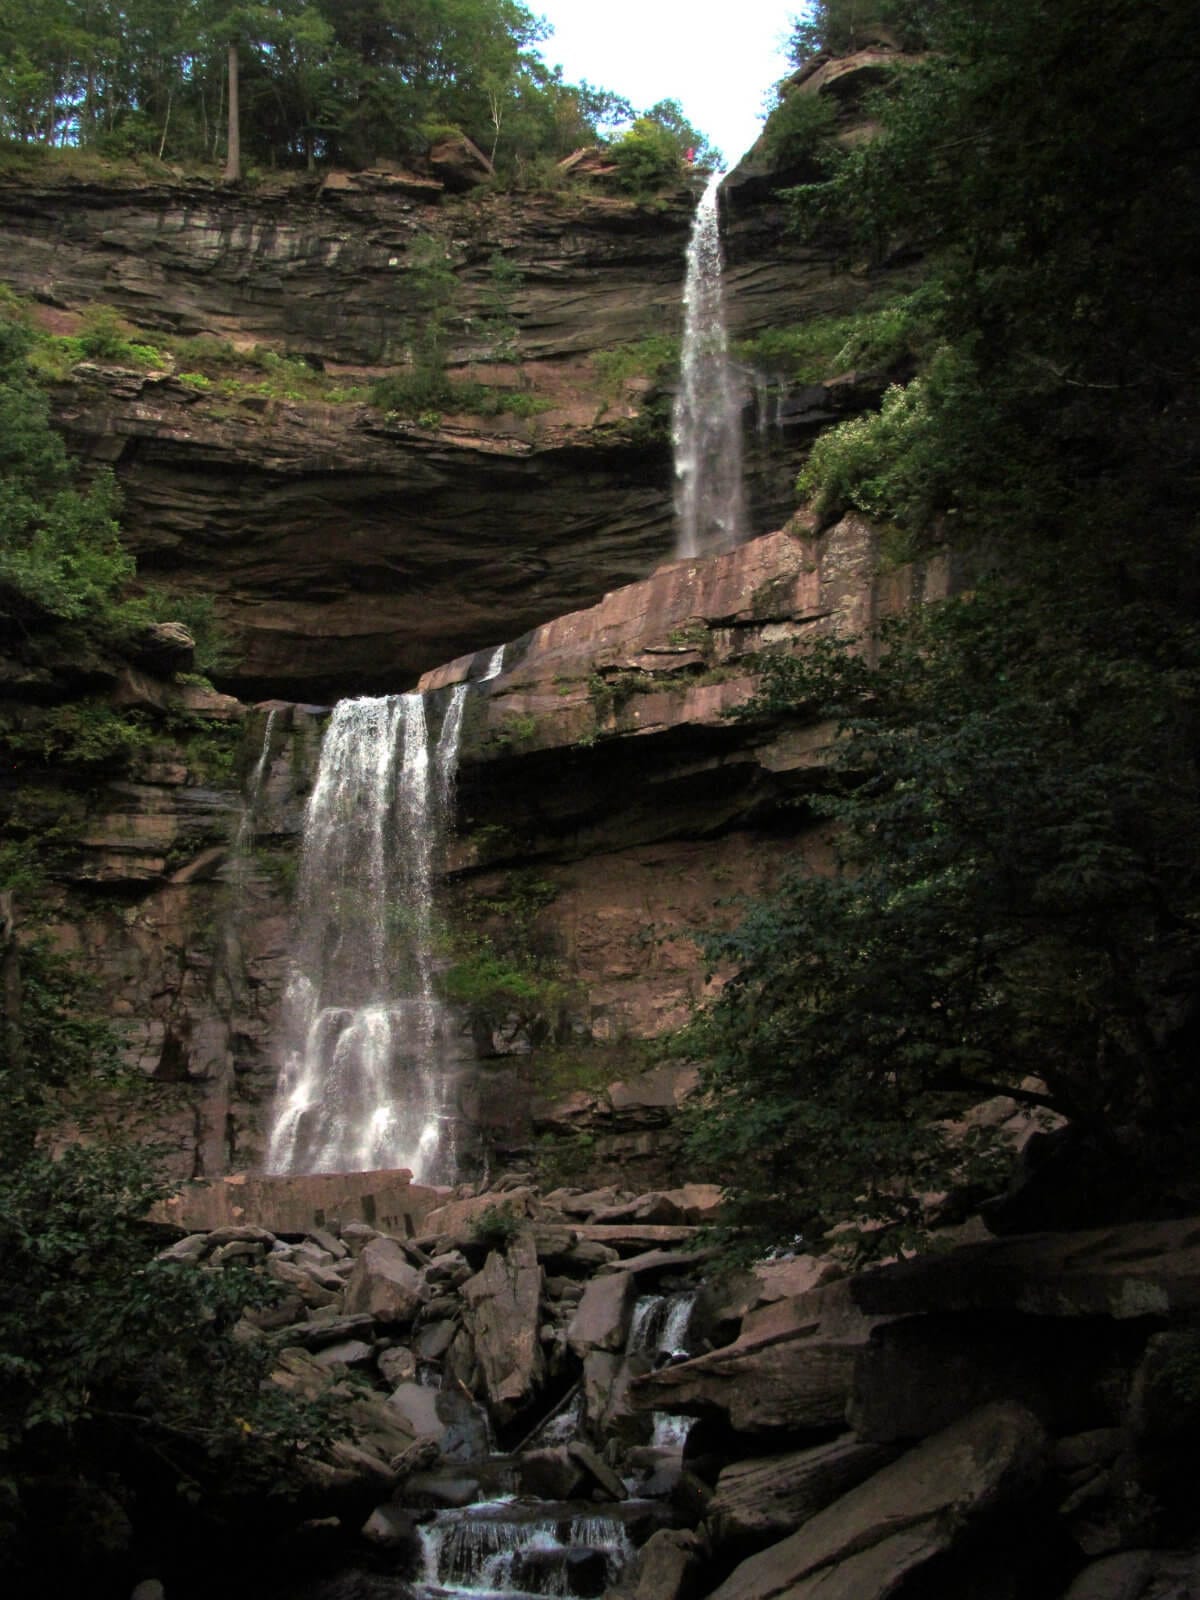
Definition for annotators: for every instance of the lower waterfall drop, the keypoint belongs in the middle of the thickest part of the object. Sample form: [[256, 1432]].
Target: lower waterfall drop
[[363, 1030]]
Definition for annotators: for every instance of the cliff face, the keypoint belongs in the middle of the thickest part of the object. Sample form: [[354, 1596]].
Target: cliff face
[[349, 549], [601, 762]]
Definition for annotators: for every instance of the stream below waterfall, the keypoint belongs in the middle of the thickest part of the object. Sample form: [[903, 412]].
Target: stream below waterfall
[[515, 1546]]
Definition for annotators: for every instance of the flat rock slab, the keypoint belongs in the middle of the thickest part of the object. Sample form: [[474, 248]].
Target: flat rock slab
[[917, 1375], [635, 1235], [1136, 1269], [790, 1385], [768, 1497], [862, 1546], [652, 1261], [388, 1200]]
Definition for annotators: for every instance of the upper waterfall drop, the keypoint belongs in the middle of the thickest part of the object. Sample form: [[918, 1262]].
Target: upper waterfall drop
[[707, 422]]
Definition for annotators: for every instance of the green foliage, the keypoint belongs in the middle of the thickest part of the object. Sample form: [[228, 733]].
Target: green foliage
[[346, 81], [839, 27], [504, 280], [87, 734], [655, 358], [60, 554], [564, 1158], [798, 128], [504, 972], [647, 157], [1012, 780], [1015, 900], [123, 1364], [877, 338], [496, 1227], [105, 337]]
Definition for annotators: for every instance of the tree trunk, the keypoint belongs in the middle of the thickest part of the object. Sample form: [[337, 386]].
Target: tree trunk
[[233, 146]]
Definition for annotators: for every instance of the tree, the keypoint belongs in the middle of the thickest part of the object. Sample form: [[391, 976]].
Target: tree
[[125, 1395], [1014, 782]]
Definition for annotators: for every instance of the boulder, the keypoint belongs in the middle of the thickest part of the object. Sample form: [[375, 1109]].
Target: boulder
[[602, 1476], [695, 1203], [459, 163], [863, 1545], [393, 1528], [397, 1365], [668, 1566], [444, 1418], [455, 1224], [914, 1377], [384, 1285], [1139, 1575], [435, 1338], [501, 1315], [164, 648], [550, 1474], [767, 1497], [1133, 1270], [346, 1353], [789, 1371], [601, 1320], [302, 1282]]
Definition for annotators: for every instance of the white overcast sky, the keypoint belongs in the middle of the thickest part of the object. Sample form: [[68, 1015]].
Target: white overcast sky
[[718, 62]]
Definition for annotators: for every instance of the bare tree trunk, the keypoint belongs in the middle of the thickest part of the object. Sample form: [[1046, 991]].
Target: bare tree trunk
[[233, 146], [162, 143], [10, 983]]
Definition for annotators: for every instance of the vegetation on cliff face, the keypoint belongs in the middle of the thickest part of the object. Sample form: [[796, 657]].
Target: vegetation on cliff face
[[1015, 776]]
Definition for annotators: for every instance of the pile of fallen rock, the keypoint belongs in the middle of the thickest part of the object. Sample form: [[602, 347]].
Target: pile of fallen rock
[[1010, 1417]]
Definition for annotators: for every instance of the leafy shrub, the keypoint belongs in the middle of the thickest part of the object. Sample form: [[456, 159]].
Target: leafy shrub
[[797, 130], [84, 733], [497, 1227], [647, 158], [106, 337]]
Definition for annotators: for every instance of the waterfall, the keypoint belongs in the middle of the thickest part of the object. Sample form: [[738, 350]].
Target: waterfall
[[243, 841], [505, 1548], [659, 1325], [363, 1030], [707, 422], [659, 1330]]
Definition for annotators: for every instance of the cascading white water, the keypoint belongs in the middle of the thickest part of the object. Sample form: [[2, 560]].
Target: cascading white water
[[243, 841], [362, 1026], [507, 1548], [707, 422], [659, 1325]]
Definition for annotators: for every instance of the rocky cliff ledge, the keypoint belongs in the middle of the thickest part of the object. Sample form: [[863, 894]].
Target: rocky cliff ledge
[[348, 549]]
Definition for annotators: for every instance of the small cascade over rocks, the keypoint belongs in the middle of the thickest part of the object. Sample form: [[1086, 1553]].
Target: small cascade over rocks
[[707, 423], [659, 1326], [517, 1549]]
